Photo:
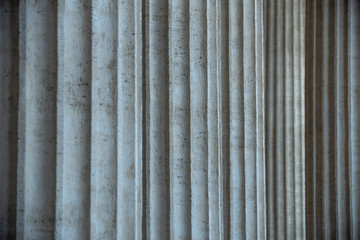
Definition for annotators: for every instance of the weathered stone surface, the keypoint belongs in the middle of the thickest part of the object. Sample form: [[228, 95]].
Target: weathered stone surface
[[180, 119]]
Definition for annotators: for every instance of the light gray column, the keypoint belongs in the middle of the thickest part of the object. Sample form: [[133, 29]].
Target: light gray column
[[74, 118], [247, 169], [37, 121], [179, 116], [289, 121], [215, 231], [198, 120], [104, 121], [298, 88], [253, 120], [236, 119], [129, 121]]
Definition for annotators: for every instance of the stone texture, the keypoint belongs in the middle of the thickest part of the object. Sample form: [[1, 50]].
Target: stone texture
[[284, 148], [332, 119], [179, 119]]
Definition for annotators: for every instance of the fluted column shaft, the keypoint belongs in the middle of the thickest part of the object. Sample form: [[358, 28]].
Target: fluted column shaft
[[284, 81], [179, 119], [332, 143]]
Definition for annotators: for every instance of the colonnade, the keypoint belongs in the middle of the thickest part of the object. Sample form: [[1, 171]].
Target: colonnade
[[180, 119]]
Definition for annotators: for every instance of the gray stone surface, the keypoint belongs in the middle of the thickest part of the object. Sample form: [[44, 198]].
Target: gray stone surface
[[179, 119]]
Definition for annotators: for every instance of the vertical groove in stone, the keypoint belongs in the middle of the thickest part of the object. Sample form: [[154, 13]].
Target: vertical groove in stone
[[280, 121], [315, 150], [318, 122], [342, 123], [37, 148], [139, 118], [309, 48], [60, 121], [74, 84], [146, 119], [126, 124], [303, 116], [270, 96], [236, 118], [20, 200], [325, 82], [5, 93], [212, 120], [9, 93], [222, 48], [289, 121], [329, 195], [159, 118], [179, 120], [354, 95], [198, 120], [103, 120], [311, 143]]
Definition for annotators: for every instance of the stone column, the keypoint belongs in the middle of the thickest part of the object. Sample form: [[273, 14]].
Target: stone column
[[137, 120], [284, 80], [74, 114], [37, 124], [332, 116], [106, 155], [246, 99]]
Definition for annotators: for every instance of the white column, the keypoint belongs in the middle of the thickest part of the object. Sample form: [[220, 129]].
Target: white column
[[37, 121], [214, 168], [198, 120], [74, 119], [104, 121], [179, 117], [247, 169], [236, 119], [126, 122]]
